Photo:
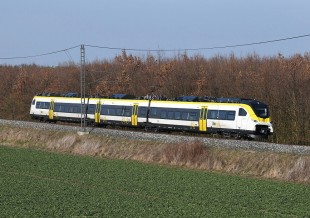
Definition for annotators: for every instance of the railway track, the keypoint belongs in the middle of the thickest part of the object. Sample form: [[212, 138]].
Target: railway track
[[166, 138]]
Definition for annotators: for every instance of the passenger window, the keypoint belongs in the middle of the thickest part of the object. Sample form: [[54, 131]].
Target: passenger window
[[163, 115], [75, 109], [66, 109], [242, 112], [177, 115], [127, 112], [119, 111], [141, 111], [43, 105], [104, 111], [91, 109], [231, 115], [193, 116], [57, 108], [112, 111], [212, 114], [71, 109], [154, 113], [222, 115], [170, 115], [62, 108], [184, 115]]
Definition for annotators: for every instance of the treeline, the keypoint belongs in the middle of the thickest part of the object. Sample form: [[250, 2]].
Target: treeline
[[282, 83]]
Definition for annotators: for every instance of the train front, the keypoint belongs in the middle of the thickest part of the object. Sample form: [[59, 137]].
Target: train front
[[261, 122]]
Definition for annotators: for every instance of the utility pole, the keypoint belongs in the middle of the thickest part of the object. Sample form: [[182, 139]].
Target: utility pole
[[83, 84]]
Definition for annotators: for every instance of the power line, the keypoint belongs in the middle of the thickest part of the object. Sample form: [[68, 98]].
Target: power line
[[158, 50], [39, 55], [203, 48]]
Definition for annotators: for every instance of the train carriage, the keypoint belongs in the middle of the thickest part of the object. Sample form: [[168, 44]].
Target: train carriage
[[234, 117]]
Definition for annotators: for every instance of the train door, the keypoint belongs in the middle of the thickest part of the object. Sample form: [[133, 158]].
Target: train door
[[134, 115], [203, 119], [241, 119], [51, 110], [97, 112]]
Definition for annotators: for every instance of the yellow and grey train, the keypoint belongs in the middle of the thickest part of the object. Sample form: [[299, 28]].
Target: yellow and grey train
[[237, 117]]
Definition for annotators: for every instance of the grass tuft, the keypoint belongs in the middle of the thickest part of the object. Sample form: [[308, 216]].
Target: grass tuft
[[185, 154]]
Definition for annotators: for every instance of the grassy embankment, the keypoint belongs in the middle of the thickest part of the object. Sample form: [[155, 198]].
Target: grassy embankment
[[288, 167]]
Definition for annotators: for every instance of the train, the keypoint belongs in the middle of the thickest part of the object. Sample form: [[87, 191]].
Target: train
[[232, 117]]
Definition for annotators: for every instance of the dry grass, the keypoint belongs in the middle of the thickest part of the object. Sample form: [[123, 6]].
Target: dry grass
[[293, 168]]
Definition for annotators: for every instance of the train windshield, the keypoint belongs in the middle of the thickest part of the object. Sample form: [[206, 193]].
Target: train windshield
[[261, 110]]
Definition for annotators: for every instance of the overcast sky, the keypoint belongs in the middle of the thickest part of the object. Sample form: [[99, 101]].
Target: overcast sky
[[32, 27]]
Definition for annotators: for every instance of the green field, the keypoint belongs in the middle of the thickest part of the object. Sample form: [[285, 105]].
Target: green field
[[42, 184]]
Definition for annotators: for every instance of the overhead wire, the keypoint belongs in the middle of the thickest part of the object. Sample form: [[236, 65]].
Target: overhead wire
[[39, 55], [69, 56], [197, 49], [157, 50]]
